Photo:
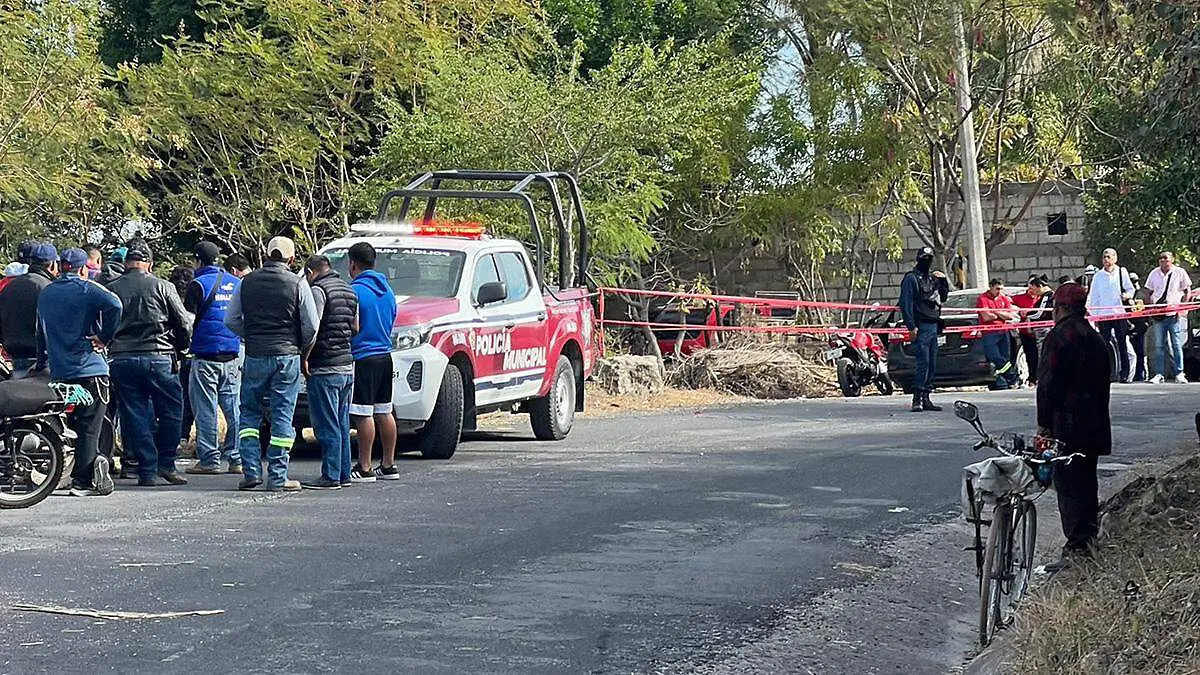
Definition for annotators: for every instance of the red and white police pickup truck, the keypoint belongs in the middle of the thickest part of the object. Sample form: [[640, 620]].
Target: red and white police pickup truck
[[478, 329]]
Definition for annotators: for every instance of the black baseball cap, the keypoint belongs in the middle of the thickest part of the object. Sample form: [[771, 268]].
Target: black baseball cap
[[925, 252], [207, 252], [138, 250]]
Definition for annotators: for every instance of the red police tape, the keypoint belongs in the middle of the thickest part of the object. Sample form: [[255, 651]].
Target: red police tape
[[1147, 311]]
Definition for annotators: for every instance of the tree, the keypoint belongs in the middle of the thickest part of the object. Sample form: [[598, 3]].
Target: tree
[[1141, 123], [624, 131], [135, 30], [65, 160], [890, 60], [259, 129], [602, 26]]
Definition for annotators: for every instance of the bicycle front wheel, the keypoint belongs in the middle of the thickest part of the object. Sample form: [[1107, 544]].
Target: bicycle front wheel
[[1023, 538], [995, 569]]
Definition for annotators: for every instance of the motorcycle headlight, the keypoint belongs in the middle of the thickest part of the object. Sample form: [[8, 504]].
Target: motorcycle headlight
[[409, 337]]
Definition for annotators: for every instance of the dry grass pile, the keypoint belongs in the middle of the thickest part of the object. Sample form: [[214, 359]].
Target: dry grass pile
[[762, 371], [1136, 608]]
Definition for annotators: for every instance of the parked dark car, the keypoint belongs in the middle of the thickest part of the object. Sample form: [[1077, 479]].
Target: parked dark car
[[961, 362]]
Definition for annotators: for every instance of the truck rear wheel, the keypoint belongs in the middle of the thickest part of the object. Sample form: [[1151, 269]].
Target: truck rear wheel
[[553, 415], [438, 439]]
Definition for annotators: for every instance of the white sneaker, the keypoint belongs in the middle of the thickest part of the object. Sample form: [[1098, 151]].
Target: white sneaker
[[1181, 379], [1157, 379], [102, 477]]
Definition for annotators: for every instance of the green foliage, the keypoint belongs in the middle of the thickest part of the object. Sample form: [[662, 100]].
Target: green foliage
[[1142, 119], [629, 131], [134, 30], [602, 26], [259, 129], [65, 160]]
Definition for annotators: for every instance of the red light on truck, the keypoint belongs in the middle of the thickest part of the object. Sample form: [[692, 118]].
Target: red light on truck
[[444, 228]]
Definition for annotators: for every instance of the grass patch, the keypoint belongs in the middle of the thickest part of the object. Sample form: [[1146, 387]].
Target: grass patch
[[1136, 607]]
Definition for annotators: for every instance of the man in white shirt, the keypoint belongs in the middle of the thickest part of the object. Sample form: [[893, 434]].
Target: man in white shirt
[[1168, 285], [1110, 288]]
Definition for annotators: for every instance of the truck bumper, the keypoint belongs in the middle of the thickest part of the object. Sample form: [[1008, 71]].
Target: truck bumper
[[416, 379]]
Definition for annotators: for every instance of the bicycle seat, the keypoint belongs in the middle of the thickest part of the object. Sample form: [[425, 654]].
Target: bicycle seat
[[25, 397]]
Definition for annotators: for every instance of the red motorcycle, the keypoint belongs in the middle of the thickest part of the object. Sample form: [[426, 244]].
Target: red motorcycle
[[861, 359]]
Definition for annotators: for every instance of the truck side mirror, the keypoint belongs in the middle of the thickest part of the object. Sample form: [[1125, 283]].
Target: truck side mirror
[[491, 293]]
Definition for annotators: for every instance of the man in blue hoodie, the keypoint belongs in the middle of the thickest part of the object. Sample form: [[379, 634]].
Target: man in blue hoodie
[[84, 317], [371, 402], [216, 376]]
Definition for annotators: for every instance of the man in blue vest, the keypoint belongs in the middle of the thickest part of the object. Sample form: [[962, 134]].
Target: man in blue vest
[[83, 317], [216, 377]]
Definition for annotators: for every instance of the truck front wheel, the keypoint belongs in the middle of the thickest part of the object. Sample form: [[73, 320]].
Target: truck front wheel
[[438, 439], [553, 414]]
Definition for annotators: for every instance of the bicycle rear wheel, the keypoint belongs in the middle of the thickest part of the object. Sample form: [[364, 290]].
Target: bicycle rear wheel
[[995, 569]]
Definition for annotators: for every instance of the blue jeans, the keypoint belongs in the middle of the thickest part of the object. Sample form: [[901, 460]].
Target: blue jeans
[[1172, 329], [215, 384], [926, 347], [277, 379], [995, 350], [150, 403], [329, 409]]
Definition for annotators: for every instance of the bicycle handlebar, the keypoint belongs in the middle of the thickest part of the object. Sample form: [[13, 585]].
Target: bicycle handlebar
[[1033, 455]]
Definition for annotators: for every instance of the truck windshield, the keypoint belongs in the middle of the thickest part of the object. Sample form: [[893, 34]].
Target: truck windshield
[[421, 272]]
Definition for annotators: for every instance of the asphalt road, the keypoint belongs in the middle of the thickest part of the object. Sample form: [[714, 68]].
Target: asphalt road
[[816, 536]]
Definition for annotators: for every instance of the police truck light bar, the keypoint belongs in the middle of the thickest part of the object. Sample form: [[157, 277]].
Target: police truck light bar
[[425, 228]]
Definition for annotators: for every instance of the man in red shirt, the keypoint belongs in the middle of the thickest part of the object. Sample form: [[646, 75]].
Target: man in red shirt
[[997, 311]]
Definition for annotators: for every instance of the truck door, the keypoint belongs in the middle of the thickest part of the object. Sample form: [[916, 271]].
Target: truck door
[[526, 361], [510, 356]]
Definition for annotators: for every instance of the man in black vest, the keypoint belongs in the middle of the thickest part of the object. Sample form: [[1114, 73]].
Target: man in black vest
[[274, 314], [329, 369], [921, 296], [145, 370]]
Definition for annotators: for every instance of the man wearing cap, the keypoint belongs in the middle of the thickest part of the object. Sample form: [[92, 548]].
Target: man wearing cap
[[274, 313], [921, 296], [1072, 407], [216, 363], [114, 267], [154, 325], [18, 308], [77, 318]]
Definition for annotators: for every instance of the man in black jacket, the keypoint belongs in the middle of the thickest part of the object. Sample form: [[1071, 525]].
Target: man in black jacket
[[922, 293], [145, 372], [18, 308], [329, 367], [1072, 407]]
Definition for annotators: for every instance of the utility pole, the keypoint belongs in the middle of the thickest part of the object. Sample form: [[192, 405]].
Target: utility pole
[[977, 266]]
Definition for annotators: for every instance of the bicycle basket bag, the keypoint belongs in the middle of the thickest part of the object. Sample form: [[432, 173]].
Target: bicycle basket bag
[[988, 480]]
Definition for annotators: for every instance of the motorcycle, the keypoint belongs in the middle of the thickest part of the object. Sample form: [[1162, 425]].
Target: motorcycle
[[860, 359], [35, 441]]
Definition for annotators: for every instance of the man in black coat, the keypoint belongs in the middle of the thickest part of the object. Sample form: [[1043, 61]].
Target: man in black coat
[[1072, 407]]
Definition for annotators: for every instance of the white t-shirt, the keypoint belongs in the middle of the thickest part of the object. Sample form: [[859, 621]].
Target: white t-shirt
[[1104, 295]]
